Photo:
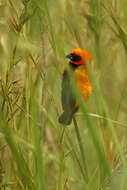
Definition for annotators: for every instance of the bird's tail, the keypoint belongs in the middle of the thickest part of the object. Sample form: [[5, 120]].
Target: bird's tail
[[65, 118]]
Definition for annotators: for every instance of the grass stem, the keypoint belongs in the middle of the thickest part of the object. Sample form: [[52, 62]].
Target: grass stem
[[81, 149]]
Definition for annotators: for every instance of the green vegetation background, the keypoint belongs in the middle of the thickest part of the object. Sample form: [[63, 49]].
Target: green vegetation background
[[36, 152]]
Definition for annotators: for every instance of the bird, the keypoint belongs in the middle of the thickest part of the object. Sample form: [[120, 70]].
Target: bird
[[78, 67]]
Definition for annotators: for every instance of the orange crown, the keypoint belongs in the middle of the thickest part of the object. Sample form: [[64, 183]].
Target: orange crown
[[84, 54]]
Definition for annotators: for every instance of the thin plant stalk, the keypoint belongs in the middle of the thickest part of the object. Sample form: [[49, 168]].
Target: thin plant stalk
[[81, 148]]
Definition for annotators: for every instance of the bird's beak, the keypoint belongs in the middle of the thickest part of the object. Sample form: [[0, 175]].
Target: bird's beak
[[69, 56]]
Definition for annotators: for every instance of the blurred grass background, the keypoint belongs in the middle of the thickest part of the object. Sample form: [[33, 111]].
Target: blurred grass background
[[36, 152]]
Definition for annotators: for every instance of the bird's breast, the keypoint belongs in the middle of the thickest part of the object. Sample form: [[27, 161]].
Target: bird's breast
[[83, 82]]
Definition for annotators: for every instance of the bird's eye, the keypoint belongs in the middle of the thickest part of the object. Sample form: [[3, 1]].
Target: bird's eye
[[75, 57]]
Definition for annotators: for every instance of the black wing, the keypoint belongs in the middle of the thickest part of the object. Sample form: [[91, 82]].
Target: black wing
[[68, 98]]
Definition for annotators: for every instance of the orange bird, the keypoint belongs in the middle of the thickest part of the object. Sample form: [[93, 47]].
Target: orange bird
[[79, 70]]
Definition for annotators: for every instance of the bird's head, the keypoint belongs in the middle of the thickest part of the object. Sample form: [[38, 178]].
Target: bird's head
[[79, 56]]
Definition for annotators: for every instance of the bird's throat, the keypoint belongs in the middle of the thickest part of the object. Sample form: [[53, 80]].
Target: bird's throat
[[74, 66]]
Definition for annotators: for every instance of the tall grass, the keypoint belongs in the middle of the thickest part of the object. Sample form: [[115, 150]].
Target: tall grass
[[36, 152]]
